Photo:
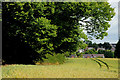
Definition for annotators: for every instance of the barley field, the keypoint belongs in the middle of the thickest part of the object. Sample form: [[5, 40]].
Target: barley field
[[72, 68]]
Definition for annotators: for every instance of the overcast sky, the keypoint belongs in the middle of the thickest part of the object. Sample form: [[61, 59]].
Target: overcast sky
[[113, 30]]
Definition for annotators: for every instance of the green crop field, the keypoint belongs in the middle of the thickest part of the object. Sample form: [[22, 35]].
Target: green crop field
[[72, 68]]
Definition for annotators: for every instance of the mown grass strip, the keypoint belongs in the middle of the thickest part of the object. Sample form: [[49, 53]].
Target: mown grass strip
[[103, 63], [97, 62]]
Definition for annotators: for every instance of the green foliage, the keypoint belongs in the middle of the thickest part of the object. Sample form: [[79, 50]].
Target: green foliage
[[54, 58], [107, 53], [67, 54], [40, 39], [99, 57], [89, 43], [91, 51], [117, 50], [100, 45], [101, 51], [79, 54], [36, 30], [50, 27], [95, 46], [107, 45], [33, 22]]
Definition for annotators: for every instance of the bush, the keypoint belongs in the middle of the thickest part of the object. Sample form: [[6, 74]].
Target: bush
[[91, 51], [101, 51], [99, 57], [107, 53], [54, 59], [67, 54], [80, 55]]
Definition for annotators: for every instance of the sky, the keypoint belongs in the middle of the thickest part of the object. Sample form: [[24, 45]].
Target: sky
[[113, 30]]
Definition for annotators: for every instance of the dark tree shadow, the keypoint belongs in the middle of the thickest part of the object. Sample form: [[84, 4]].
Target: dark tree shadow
[[16, 51], [14, 48]]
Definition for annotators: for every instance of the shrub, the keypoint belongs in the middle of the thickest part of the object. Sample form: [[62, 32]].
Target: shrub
[[80, 55], [67, 54], [38, 61], [54, 59], [91, 51], [99, 57], [101, 51], [107, 53], [60, 58]]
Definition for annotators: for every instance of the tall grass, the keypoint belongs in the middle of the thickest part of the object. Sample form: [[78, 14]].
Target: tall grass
[[72, 68]]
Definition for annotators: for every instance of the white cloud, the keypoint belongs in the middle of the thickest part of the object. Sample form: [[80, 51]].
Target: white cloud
[[113, 0], [113, 30]]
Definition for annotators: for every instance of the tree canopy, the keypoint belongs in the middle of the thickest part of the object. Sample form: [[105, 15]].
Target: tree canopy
[[107, 45], [56, 26], [107, 53]]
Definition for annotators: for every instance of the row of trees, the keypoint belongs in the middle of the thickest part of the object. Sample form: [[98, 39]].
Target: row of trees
[[105, 45], [39, 28], [107, 53]]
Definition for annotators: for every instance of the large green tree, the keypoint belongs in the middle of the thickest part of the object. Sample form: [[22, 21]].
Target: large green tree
[[56, 26]]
